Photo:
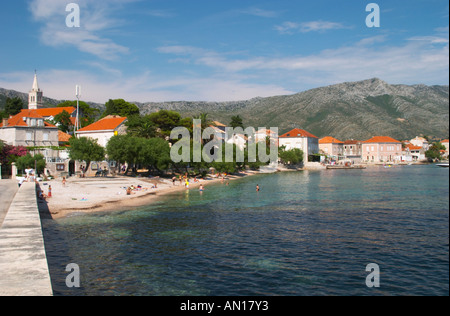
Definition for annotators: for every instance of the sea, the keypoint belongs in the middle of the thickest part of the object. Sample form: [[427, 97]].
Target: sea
[[306, 233]]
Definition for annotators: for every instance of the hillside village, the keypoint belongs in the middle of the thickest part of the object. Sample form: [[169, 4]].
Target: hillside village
[[32, 128]]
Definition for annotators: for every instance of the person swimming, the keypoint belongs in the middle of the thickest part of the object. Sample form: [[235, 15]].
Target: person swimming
[[257, 188]]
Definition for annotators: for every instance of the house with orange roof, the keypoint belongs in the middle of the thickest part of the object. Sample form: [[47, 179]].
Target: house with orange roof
[[413, 153], [331, 147], [104, 129], [28, 129], [301, 139], [381, 149], [420, 142]]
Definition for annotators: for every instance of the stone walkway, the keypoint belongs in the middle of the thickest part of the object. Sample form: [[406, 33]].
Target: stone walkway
[[8, 189], [23, 262]]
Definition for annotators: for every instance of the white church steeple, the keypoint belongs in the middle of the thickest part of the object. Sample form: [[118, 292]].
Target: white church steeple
[[35, 96]]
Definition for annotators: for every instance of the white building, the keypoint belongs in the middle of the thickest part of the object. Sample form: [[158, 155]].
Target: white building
[[35, 100], [104, 129], [301, 139], [420, 142]]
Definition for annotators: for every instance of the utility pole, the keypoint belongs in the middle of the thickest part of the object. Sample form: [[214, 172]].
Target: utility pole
[[77, 121]]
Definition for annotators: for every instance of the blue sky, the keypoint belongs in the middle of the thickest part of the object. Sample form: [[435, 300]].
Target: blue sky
[[213, 50]]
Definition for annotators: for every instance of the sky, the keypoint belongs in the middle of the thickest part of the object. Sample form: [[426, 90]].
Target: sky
[[210, 50]]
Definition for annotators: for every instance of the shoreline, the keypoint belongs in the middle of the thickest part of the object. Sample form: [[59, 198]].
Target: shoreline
[[94, 195]]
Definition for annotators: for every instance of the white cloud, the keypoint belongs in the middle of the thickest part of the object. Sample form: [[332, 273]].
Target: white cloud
[[306, 27], [414, 61], [95, 17]]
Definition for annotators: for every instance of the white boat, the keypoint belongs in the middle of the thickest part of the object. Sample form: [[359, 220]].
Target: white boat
[[443, 165]]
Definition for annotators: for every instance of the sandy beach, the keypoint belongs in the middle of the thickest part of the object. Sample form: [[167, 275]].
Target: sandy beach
[[110, 194]]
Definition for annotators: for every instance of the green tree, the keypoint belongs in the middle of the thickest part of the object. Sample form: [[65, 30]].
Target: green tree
[[121, 108], [88, 114], [236, 121], [153, 153], [226, 165], [141, 126], [63, 121], [435, 151], [125, 149], [13, 106], [156, 154], [3, 115], [86, 149], [291, 157], [29, 161], [165, 121]]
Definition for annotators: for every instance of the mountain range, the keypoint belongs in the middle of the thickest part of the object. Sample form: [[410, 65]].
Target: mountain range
[[352, 110]]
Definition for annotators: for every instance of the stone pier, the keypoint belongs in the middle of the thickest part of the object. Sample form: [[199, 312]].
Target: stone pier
[[23, 262]]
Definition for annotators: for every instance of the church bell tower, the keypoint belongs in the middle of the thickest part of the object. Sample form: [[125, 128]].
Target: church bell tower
[[35, 96]]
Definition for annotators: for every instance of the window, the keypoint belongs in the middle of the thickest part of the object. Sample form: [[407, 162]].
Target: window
[[29, 135], [45, 138], [60, 167], [33, 122]]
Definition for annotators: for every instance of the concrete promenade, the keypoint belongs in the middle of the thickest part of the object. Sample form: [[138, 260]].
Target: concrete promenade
[[8, 189], [23, 262]]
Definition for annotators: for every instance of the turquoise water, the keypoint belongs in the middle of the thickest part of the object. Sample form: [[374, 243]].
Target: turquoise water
[[304, 233]]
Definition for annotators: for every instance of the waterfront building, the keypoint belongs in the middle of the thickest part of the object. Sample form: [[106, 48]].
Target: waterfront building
[[413, 153], [381, 149], [301, 139], [420, 142], [333, 148], [353, 150]]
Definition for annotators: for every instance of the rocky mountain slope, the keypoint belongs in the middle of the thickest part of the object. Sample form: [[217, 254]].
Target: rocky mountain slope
[[353, 110]]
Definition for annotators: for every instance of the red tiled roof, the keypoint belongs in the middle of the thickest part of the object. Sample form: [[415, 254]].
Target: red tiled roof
[[63, 137], [109, 123], [381, 139], [352, 142], [412, 147], [18, 120], [47, 112], [330, 140], [444, 141], [297, 132]]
